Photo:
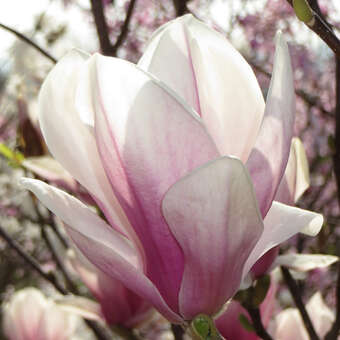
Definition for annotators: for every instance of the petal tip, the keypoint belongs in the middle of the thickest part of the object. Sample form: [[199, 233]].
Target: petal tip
[[314, 227]]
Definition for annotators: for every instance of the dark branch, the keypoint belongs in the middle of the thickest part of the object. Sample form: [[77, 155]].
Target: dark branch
[[124, 29], [296, 294], [101, 26], [29, 42], [255, 316], [102, 29], [180, 7], [177, 331]]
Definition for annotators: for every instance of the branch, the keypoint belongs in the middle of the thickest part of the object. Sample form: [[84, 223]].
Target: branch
[[322, 29], [255, 316], [29, 42], [31, 261], [177, 331], [101, 26], [296, 294], [102, 29], [125, 28], [180, 7]]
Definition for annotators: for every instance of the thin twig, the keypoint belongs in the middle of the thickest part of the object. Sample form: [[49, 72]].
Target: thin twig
[[31, 261], [255, 316], [296, 294], [29, 42], [307, 98]]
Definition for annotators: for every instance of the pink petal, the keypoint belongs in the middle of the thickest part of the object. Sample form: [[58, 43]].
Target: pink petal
[[70, 138], [214, 216], [267, 161], [229, 324], [119, 305], [281, 223], [23, 313], [206, 70], [103, 246], [296, 178], [147, 139]]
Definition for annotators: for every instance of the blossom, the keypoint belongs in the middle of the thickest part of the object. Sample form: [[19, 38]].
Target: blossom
[[29, 315], [289, 324], [187, 187], [118, 305]]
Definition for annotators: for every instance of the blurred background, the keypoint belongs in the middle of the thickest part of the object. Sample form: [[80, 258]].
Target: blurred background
[[60, 25]]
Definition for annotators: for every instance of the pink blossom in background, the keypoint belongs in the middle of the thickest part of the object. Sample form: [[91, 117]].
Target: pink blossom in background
[[289, 324], [188, 195], [29, 315]]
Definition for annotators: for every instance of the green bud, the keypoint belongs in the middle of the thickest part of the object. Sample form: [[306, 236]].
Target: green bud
[[246, 324], [14, 157], [203, 328], [303, 11]]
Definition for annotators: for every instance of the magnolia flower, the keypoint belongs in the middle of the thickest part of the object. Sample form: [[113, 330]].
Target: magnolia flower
[[118, 305], [289, 324], [187, 188], [29, 315]]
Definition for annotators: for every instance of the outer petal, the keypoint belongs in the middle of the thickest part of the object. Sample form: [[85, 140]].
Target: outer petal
[[281, 223], [104, 247], [296, 178], [148, 139], [305, 262], [214, 216], [70, 138], [205, 69], [267, 161], [293, 184], [48, 168], [119, 305]]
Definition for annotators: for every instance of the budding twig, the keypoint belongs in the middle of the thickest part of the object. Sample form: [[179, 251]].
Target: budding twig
[[320, 27], [29, 42]]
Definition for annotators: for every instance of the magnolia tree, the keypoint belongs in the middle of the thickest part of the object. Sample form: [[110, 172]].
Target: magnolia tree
[[170, 171]]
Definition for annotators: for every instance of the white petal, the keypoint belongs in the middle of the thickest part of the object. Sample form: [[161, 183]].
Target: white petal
[[281, 223]]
